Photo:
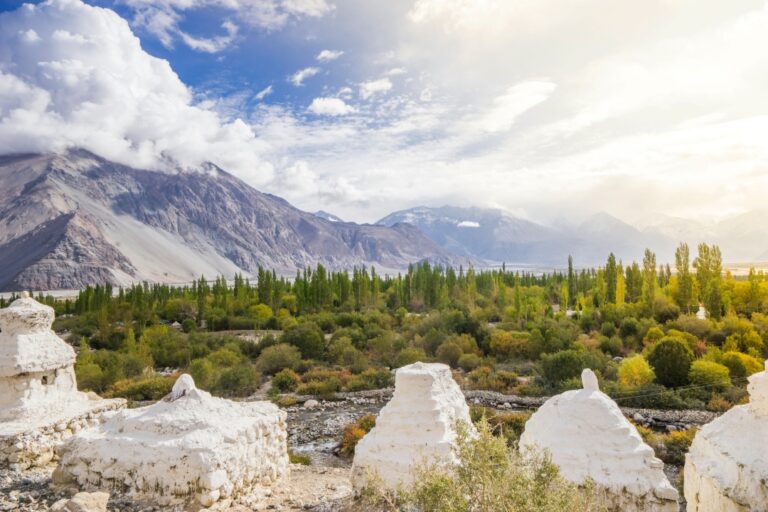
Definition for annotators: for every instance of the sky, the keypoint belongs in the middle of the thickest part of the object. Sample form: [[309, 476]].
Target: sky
[[550, 109]]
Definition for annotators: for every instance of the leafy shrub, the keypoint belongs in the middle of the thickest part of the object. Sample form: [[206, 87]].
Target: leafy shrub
[[370, 379], [449, 353], [151, 388], [612, 345], [298, 458], [509, 425], [713, 375], [670, 447], [275, 358], [671, 359], [238, 380], [469, 362], [410, 355], [308, 338], [562, 365], [285, 380], [321, 388], [354, 432], [507, 344], [741, 365], [635, 372]]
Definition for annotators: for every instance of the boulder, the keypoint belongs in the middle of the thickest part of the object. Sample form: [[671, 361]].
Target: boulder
[[83, 502], [726, 467], [587, 437], [189, 448], [417, 426]]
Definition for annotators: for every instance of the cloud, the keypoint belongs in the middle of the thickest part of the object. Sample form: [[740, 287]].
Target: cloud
[[329, 55], [263, 93], [330, 107], [162, 17], [298, 77], [368, 89], [84, 81], [516, 100]]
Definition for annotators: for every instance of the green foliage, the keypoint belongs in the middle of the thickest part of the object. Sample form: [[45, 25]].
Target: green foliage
[[671, 359], [308, 338], [635, 372], [449, 353], [563, 365], [469, 362], [285, 380], [150, 388], [275, 358], [710, 374], [354, 432]]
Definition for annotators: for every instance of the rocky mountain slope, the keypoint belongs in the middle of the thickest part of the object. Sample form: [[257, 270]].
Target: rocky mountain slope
[[75, 219]]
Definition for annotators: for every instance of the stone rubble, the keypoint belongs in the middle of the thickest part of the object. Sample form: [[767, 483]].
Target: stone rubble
[[417, 426], [726, 468], [40, 405], [189, 447], [587, 437]]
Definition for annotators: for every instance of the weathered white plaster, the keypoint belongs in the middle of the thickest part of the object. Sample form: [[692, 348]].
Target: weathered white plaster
[[726, 468], [418, 425], [189, 447], [40, 405], [587, 437]]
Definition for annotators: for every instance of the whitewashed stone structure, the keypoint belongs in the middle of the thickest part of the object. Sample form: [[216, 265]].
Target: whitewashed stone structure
[[726, 468], [189, 448], [588, 437], [416, 426], [40, 405]]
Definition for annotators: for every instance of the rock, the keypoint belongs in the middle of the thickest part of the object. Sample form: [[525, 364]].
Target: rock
[[311, 404], [83, 502], [189, 447], [638, 417], [726, 468], [588, 437], [416, 426]]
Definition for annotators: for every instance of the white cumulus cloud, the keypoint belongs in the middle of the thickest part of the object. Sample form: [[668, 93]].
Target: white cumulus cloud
[[298, 77], [84, 81], [330, 107], [368, 89], [329, 55]]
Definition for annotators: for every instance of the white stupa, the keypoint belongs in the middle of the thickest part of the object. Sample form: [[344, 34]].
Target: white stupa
[[188, 448], [39, 401], [588, 437], [726, 468], [417, 426]]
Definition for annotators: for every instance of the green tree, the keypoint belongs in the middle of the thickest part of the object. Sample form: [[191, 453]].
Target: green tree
[[635, 372], [714, 376], [611, 279], [684, 278], [671, 359], [308, 338], [649, 279]]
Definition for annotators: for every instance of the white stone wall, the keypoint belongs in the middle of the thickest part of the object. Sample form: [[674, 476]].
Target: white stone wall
[[587, 437], [37, 447], [726, 468], [190, 447], [416, 426]]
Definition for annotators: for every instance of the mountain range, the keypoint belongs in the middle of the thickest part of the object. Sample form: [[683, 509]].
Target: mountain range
[[494, 235], [73, 219]]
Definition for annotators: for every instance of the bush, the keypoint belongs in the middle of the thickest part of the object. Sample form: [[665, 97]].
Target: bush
[[354, 432], [671, 359], [370, 379], [507, 344], [152, 388], [239, 380], [635, 372], [308, 338], [285, 380], [449, 353], [322, 388], [713, 376], [490, 476], [612, 346], [410, 355], [563, 365], [469, 362], [509, 425], [741, 365], [669, 447], [275, 358]]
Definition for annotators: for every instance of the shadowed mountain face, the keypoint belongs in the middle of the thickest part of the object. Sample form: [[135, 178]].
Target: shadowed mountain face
[[76, 219]]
